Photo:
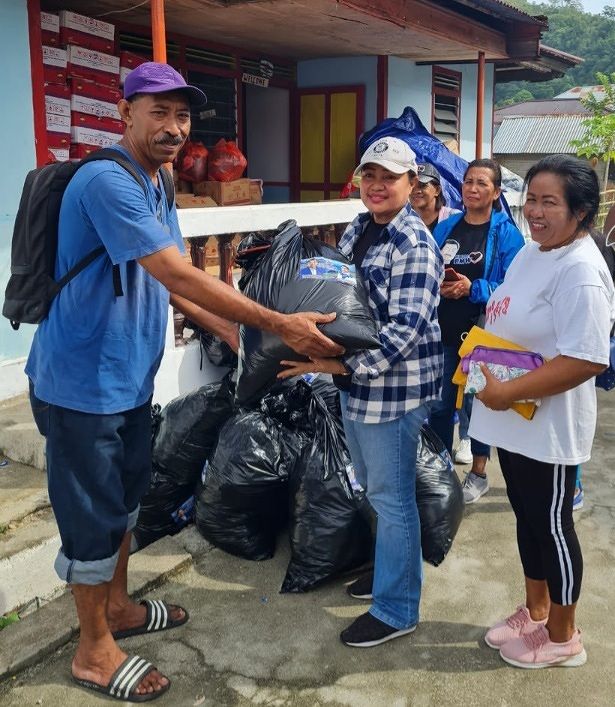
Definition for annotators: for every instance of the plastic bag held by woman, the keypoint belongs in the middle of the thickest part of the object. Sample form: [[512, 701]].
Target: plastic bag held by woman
[[192, 162], [226, 162], [282, 280]]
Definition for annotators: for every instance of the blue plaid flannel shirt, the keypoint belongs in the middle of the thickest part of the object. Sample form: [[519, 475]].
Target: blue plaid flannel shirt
[[402, 272]]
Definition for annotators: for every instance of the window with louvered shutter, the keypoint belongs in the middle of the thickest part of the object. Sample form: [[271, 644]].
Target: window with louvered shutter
[[446, 102]]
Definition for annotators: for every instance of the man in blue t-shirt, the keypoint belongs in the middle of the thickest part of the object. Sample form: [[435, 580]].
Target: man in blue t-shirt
[[93, 362]]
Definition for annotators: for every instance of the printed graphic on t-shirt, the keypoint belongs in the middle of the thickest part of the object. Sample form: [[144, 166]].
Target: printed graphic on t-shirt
[[472, 258], [326, 269], [497, 308], [449, 250]]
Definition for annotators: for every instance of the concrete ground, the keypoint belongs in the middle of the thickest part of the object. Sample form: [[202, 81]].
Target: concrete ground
[[247, 644]]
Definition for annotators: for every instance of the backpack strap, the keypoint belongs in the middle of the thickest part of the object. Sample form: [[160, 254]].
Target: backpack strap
[[108, 153], [81, 265], [168, 185]]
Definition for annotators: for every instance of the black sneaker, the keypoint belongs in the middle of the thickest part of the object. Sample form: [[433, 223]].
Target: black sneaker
[[361, 588], [368, 631]]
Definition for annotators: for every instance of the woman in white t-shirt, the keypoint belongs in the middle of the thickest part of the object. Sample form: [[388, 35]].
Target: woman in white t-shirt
[[557, 299]]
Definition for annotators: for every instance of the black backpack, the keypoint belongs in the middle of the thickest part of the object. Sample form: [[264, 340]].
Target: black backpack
[[31, 286]]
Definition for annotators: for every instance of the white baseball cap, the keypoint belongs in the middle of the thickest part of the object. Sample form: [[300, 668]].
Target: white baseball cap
[[392, 154]]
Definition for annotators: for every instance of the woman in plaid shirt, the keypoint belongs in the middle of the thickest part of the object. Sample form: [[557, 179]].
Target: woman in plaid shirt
[[386, 392]]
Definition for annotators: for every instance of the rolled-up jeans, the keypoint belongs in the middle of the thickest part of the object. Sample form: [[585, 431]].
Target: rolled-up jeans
[[384, 460], [98, 468], [442, 411]]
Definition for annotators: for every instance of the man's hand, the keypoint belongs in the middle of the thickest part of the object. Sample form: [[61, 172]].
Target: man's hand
[[494, 394], [299, 331], [316, 365]]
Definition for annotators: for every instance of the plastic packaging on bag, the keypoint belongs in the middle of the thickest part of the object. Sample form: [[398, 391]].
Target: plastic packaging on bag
[[226, 162], [188, 431], [439, 497], [282, 280], [192, 162], [328, 531], [242, 498]]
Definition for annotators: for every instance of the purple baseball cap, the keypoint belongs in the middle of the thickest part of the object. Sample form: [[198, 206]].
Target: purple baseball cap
[[153, 77]]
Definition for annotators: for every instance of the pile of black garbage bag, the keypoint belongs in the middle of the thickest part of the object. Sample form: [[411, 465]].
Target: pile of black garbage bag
[[247, 467], [184, 435]]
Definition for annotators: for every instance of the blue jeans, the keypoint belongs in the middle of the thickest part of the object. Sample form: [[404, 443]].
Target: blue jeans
[[441, 418], [98, 468], [384, 460], [464, 417]]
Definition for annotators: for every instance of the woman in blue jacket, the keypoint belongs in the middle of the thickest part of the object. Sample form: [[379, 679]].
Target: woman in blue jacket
[[478, 245]]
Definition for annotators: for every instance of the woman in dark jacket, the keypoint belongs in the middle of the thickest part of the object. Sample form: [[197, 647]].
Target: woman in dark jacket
[[478, 245]]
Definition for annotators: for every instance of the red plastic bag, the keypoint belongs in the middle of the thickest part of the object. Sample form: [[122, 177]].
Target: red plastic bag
[[226, 162], [192, 162]]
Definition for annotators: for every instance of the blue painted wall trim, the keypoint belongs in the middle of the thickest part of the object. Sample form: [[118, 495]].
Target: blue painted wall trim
[[17, 127]]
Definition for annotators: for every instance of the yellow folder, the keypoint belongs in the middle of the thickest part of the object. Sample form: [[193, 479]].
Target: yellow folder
[[479, 337]]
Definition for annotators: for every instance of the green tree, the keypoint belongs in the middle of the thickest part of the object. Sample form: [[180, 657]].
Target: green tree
[[599, 137], [591, 37], [523, 95]]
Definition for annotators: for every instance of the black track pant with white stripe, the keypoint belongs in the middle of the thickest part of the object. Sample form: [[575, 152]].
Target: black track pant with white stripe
[[541, 496]]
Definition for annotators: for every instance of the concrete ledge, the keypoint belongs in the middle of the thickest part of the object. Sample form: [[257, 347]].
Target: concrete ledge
[[19, 438], [33, 638]]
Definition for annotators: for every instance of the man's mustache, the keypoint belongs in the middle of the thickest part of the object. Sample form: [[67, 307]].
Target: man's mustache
[[170, 140]]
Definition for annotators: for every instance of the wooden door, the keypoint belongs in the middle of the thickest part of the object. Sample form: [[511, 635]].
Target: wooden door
[[330, 121]]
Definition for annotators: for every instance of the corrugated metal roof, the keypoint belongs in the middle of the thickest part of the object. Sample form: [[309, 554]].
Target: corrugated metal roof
[[583, 91], [538, 134], [540, 106]]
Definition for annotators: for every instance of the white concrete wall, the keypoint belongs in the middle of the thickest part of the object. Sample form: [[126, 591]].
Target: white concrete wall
[[17, 129], [410, 85], [469, 77], [268, 138]]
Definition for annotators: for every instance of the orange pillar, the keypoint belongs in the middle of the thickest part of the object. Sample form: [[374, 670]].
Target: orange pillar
[[159, 39], [480, 104]]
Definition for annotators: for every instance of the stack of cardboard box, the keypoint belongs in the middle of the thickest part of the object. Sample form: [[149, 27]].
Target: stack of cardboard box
[[83, 75], [82, 79]]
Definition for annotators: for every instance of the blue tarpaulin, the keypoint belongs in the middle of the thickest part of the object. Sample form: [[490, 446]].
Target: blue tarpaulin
[[408, 127]]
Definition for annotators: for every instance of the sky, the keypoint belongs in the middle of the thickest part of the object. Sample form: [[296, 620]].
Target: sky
[[596, 5]]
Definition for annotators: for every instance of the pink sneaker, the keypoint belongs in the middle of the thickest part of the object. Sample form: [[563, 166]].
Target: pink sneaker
[[515, 625], [537, 650]]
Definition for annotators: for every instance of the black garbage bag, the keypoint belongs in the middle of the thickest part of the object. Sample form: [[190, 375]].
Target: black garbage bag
[[218, 352], [439, 497], [322, 384], [328, 532], [282, 280], [250, 252], [165, 509], [155, 412], [242, 499], [188, 431]]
